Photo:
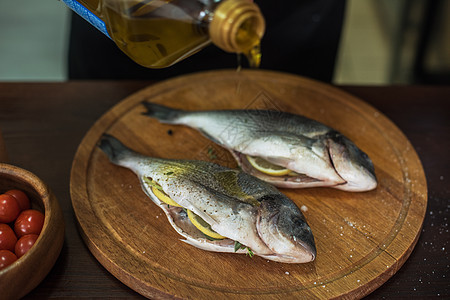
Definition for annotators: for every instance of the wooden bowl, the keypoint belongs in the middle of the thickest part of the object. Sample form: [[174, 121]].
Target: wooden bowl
[[28, 271]]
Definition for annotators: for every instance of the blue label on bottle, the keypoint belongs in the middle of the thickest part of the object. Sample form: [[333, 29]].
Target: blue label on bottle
[[87, 15]]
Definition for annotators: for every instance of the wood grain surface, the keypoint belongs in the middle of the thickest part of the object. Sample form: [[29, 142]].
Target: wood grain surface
[[362, 238]]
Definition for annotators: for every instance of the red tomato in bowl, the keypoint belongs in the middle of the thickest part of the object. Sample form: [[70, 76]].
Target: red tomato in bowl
[[21, 197], [6, 258], [9, 208], [29, 221], [24, 244], [8, 238]]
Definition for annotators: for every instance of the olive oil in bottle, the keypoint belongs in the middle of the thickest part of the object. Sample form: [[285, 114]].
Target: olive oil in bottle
[[159, 33]]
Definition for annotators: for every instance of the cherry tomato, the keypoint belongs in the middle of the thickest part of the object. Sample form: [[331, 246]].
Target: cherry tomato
[[29, 221], [9, 208], [24, 244], [21, 197], [8, 238], [6, 258]]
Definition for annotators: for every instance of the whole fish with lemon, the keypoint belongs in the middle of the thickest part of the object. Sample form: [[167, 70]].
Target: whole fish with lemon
[[284, 149], [220, 209]]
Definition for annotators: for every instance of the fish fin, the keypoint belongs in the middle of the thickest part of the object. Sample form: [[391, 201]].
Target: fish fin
[[113, 148], [162, 113]]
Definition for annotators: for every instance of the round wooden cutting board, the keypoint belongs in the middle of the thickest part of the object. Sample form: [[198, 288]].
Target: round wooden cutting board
[[362, 239]]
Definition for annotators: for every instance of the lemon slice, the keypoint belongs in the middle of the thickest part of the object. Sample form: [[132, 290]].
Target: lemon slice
[[266, 167], [203, 226], [163, 196]]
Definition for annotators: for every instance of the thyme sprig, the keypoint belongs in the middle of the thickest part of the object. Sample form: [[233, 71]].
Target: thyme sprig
[[238, 246]]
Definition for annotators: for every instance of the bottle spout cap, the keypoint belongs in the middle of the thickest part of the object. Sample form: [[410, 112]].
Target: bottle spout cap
[[237, 26]]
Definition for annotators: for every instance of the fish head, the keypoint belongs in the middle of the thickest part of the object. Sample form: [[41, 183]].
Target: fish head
[[352, 164], [326, 160], [283, 228]]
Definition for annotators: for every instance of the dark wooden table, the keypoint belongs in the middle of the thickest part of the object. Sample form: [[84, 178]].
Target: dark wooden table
[[43, 123]]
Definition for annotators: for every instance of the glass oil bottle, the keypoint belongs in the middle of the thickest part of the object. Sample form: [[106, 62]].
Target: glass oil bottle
[[159, 33]]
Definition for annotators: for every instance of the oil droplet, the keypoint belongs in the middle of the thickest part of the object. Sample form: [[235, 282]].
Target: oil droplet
[[254, 56]]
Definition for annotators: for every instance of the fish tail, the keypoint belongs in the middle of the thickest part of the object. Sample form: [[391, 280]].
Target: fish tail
[[162, 113], [113, 148]]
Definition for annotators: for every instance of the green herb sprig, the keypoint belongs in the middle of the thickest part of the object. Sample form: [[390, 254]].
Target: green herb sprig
[[238, 246]]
